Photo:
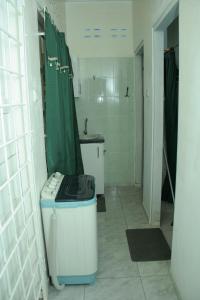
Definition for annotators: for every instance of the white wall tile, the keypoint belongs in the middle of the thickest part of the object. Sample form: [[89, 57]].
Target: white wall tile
[[104, 82]]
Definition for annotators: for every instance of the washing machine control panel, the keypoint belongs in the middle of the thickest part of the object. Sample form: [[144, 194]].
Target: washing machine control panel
[[52, 186]]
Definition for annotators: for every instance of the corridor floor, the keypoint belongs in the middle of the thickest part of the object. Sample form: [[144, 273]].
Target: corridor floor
[[118, 277]]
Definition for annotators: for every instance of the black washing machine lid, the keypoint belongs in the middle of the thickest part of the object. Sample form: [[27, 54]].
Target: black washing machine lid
[[76, 188]]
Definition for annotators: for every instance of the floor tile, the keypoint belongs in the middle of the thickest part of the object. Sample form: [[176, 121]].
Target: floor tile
[[133, 207], [68, 293], [136, 218], [159, 288], [111, 236], [112, 201], [168, 234], [167, 214], [130, 201], [118, 277], [154, 268], [167, 207], [115, 221], [115, 262], [112, 223], [115, 289], [166, 220], [111, 191], [114, 213], [100, 218], [128, 190]]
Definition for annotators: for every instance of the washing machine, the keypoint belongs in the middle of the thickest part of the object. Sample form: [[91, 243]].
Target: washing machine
[[68, 205]]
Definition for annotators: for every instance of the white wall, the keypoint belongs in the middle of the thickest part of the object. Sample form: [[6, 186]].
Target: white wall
[[173, 33], [109, 112], [56, 10], [103, 15], [109, 59], [186, 240], [34, 87], [35, 97]]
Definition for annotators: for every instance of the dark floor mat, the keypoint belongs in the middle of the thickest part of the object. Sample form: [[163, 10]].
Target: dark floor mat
[[101, 203], [147, 245]]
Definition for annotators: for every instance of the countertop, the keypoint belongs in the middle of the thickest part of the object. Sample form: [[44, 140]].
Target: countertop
[[97, 139]]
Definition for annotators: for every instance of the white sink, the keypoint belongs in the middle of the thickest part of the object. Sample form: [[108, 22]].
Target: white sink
[[89, 136]]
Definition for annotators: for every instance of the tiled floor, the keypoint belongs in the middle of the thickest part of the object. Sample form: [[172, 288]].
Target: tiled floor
[[167, 213], [118, 277]]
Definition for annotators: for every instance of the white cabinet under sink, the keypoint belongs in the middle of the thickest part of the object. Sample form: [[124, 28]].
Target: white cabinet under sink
[[93, 161]]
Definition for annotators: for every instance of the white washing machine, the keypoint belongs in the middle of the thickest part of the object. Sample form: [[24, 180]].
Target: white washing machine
[[68, 206]]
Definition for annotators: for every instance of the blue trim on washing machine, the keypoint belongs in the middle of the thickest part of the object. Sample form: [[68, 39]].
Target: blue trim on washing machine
[[70, 204], [84, 279]]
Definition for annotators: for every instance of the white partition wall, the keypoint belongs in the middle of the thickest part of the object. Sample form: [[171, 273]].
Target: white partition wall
[[21, 274]]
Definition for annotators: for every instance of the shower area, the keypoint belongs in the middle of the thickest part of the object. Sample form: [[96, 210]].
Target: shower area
[[171, 79], [107, 102]]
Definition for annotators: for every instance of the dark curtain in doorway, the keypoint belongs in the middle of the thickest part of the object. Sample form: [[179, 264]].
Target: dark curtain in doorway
[[170, 120], [62, 141]]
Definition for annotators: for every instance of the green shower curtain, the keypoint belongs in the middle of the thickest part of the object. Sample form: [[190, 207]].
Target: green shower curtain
[[62, 141], [170, 121]]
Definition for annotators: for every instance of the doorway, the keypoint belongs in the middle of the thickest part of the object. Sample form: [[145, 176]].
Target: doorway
[[139, 116], [159, 30], [170, 128]]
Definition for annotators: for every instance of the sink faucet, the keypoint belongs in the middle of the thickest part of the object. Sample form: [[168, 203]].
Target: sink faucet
[[85, 123]]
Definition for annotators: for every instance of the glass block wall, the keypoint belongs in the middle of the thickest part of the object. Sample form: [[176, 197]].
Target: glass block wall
[[20, 269]]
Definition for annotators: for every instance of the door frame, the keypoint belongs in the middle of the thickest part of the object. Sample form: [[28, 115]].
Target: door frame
[[158, 34], [138, 112]]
